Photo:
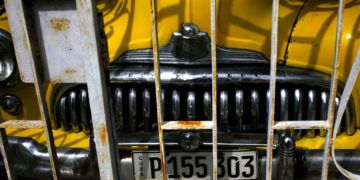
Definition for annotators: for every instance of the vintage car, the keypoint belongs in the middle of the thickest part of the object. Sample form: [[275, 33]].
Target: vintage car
[[306, 39]]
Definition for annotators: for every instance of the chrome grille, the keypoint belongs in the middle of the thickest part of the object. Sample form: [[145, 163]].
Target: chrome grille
[[241, 108]]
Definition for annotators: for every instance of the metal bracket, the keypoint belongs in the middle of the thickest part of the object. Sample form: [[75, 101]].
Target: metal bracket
[[58, 42]]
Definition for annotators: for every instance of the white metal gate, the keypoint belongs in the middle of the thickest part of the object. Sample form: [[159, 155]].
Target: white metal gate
[[80, 20]]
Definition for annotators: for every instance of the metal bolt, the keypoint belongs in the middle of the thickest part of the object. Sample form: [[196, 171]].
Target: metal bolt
[[189, 30], [11, 104], [190, 141]]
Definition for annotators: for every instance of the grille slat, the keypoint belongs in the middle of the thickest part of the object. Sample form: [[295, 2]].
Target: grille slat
[[73, 111], [62, 116], [311, 111], [176, 104], [224, 111], [284, 104], [146, 109], [118, 109], [84, 111], [240, 110], [207, 105], [323, 113], [298, 110], [163, 102], [255, 109], [349, 124], [132, 110], [191, 109], [337, 101]]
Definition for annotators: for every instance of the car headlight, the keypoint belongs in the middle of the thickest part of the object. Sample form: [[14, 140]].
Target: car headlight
[[9, 74]]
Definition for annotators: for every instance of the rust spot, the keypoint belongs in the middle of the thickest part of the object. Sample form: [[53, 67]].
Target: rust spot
[[81, 3], [103, 136], [163, 172], [22, 124], [189, 123], [56, 81], [60, 24], [70, 71], [22, 77]]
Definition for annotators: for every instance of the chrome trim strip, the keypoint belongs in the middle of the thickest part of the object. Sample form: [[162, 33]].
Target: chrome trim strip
[[172, 139]]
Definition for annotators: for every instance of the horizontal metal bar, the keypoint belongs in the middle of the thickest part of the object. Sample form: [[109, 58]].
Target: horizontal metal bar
[[301, 124], [187, 125], [23, 124]]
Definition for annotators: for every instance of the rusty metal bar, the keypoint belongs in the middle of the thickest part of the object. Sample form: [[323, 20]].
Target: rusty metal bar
[[23, 124], [353, 76], [159, 106], [187, 125], [214, 86], [333, 91], [27, 55], [271, 105], [17, 7], [97, 89], [5, 152], [45, 116], [313, 124]]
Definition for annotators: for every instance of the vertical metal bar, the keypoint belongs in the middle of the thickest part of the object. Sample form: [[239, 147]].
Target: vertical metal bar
[[6, 154], [40, 94], [214, 85], [333, 90], [97, 90], [44, 113], [158, 87], [352, 78], [271, 106]]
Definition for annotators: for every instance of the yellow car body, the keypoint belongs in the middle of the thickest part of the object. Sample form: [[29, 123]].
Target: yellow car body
[[240, 24]]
